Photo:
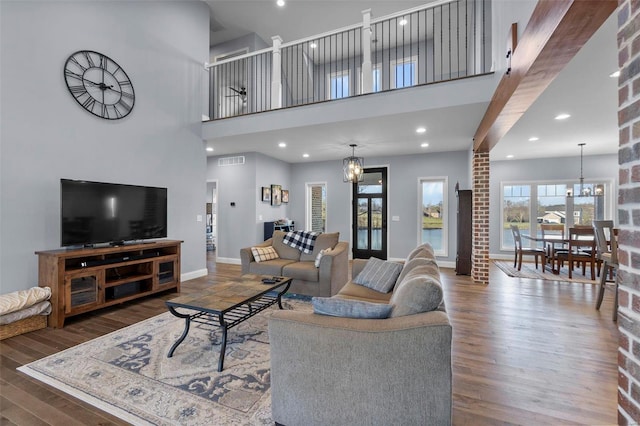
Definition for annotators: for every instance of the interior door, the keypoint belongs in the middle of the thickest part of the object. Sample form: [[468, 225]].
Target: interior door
[[369, 215]]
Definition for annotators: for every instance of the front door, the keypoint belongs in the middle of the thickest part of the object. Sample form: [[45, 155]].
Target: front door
[[370, 215]]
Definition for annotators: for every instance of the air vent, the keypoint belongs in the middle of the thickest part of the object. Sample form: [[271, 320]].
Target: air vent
[[231, 161]]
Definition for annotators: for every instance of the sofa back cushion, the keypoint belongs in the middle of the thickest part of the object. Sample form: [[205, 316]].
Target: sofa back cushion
[[284, 251], [416, 262], [323, 241], [423, 250], [417, 293]]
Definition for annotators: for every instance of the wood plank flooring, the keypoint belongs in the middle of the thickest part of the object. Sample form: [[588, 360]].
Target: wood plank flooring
[[526, 352]]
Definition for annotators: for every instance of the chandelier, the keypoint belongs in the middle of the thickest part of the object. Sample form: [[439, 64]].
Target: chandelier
[[353, 167], [585, 191]]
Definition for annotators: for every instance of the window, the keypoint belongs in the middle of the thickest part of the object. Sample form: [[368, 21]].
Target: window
[[377, 79], [528, 204], [339, 85], [404, 72], [316, 210], [433, 214], [516, 201]]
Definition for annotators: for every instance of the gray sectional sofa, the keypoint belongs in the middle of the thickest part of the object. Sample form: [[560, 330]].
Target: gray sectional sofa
[[324, 280], [330, 370]]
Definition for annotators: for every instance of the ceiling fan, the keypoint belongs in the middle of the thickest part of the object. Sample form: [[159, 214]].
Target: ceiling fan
[[242, 93]]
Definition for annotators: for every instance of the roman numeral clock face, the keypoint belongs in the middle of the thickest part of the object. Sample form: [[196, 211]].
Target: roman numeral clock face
[[99, 84]]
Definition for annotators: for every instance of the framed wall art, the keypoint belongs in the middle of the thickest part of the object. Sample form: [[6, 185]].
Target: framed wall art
[[285, 195], [266, 194], [276, 195]]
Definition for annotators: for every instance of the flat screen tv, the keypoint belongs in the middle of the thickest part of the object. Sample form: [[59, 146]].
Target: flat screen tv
[[98, 212]]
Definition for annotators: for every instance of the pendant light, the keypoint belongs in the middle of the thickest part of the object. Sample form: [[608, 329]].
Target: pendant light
[[353, 167]]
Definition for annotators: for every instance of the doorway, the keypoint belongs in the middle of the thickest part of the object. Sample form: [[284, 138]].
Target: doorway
[[369, 212], [211, 222]]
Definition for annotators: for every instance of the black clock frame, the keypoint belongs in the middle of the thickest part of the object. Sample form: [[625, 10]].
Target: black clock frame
[[99, 84]]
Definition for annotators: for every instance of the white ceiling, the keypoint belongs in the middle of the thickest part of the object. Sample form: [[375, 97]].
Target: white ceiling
[[584, 90]]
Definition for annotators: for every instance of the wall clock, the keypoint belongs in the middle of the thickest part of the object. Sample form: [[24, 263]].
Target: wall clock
[[99, 84]]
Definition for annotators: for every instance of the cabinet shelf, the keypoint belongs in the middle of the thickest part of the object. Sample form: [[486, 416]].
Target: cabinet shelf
[[86, 279]]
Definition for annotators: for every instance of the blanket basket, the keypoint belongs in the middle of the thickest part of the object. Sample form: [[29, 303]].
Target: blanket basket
[[22, 326]]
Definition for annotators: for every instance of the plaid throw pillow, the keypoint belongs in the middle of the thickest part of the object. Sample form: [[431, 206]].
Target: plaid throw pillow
[[264, 253]]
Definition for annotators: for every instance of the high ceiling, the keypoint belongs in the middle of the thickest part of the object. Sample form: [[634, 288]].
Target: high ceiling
[[584, 90]]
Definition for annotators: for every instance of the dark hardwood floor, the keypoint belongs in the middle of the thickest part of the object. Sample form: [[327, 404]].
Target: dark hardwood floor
[[525, 352]]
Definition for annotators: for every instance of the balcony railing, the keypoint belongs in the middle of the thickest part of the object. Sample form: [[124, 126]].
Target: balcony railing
[[436, 42]]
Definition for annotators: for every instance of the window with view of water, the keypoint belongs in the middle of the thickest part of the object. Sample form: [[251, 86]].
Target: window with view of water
[[516, 201], [433, 214], [530, 204]]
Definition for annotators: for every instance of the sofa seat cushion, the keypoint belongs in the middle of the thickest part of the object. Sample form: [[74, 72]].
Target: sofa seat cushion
[[323, 241], [305, 271], [269, 267], [417, 293], [284, 250], [356, 291], [350, 308]]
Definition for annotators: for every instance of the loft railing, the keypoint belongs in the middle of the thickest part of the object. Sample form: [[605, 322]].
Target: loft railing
[[436, 42]]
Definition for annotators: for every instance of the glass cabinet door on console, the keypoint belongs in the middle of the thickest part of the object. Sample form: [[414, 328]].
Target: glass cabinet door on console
[[82, 289]]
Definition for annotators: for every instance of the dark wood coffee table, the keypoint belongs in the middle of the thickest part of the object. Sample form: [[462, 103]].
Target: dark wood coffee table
[[227, 305]]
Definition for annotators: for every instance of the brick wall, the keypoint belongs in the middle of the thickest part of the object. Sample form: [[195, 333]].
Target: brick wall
[[480, 253], [629, 212]]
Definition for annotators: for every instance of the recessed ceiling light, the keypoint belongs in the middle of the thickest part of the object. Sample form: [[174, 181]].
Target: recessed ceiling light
[[305, 155], [282, 144], [533, 138], [510, 156], [313, 45], [615, 74], [424, 144], [421, 130], [562, 116], [402, 22], [280, 3], [209, 149]]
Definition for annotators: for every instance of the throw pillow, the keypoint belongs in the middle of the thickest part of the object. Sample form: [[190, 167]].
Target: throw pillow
[[260, 254], [348, 308], [379, 275], [416, 294], [319, 257]]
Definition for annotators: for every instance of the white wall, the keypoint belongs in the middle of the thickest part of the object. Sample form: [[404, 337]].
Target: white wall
[[45, 135]]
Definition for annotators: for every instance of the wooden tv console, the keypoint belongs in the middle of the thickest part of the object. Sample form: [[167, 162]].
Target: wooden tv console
[[82, 280]]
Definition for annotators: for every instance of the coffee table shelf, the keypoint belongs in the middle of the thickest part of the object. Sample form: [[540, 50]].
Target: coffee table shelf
[[227, 305]]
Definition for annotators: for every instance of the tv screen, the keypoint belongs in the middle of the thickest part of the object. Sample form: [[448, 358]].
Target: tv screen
[[97, 212]]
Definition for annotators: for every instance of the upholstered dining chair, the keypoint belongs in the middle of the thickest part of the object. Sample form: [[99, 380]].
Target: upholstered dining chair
[[581, 250], [607, 248], [520, 251]]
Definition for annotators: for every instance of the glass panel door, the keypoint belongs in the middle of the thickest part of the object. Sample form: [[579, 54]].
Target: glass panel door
[[370, 215]]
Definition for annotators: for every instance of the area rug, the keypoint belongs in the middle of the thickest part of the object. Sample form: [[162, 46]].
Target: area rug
[[127, 372], [530, 271]]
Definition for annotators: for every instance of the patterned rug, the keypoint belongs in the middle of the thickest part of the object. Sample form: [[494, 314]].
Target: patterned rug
[[529, 271], [127, 372]]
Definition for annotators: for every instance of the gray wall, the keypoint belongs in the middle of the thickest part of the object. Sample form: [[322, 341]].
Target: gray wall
[[242, 225], [45, 135], [544, 169], [260, 170]]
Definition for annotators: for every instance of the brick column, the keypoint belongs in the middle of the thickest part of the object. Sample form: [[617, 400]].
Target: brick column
[[480, 253], [629, 212]]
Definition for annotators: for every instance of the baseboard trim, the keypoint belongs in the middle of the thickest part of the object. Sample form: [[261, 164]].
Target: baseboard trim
[[193, 274], [231, 260]]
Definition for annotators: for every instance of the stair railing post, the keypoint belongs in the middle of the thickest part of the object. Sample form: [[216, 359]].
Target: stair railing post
[[367, 73], [276, 74]]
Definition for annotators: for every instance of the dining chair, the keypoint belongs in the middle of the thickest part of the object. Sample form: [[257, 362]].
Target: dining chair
[[520, 251], [607, 249], [547, 229], [581, 250]]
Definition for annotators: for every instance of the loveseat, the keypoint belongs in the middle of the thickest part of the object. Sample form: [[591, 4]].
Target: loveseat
[[334, 370], [325, 279]]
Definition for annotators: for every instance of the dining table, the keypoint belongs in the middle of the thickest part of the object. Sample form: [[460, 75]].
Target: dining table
[[553, 240]]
